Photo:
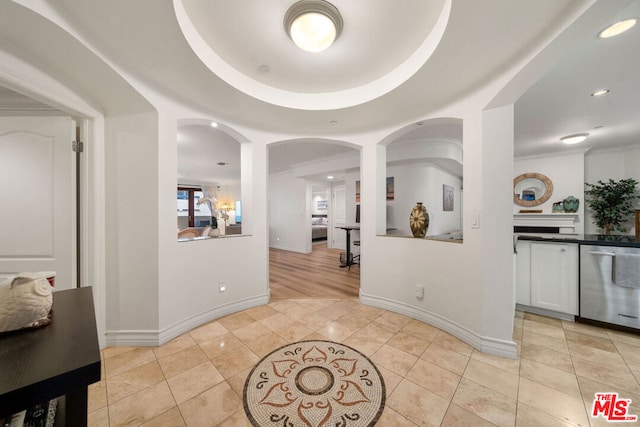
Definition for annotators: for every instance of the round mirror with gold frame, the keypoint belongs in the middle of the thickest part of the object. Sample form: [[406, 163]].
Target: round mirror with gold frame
[[531, 189]]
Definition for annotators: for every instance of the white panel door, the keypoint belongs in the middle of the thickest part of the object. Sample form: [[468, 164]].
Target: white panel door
[[338, 216], [37, 189]]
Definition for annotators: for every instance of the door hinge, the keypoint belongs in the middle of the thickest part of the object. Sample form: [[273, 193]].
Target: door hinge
[[77, 146]]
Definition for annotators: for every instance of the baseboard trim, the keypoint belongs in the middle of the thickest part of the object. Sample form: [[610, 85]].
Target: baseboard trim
[[145, 338], [291, 249], [545, 312], [497, 347]]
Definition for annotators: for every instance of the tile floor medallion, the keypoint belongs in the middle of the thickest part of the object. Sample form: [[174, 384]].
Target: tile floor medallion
[[315, 384]]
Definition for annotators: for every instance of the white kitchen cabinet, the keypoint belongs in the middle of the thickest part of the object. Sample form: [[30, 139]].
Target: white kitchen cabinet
[[523, 272], [554, 276], [547, 276]]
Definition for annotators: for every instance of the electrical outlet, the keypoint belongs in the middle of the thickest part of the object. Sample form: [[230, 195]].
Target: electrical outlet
[[419, 291]]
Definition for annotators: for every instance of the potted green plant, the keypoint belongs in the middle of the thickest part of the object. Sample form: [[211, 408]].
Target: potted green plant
[[611, 203]]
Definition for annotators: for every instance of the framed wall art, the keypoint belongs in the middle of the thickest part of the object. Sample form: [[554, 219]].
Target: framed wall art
[[391, 191], [447, 197]]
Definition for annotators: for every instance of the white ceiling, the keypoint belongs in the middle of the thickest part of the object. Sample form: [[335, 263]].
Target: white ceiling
[[481, 40], [285, 155], [200, 149], [145, 38], [560, 103]]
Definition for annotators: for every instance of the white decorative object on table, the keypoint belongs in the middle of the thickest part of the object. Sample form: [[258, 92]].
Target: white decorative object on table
[[25, 301]]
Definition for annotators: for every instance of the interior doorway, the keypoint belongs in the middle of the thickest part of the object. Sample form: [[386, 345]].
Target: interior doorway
[[320, 208], [35, 98], [338, 215], [38, 185], [305, 186]]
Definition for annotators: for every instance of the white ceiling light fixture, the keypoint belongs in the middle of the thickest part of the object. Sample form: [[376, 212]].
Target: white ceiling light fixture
[[600, 92], [575, 138], [313, 25], [617, 28]]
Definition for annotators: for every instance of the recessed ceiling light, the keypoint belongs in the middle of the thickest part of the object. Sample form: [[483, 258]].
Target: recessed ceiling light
[[214, 124], [598, 127], [600, 92], [222, 164], [313, 25], [575, 138], [617, 28], [333, 122], [330, 177]]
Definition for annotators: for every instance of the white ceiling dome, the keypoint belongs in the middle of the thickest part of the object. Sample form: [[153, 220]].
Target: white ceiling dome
[[248, 48], [394, 63]]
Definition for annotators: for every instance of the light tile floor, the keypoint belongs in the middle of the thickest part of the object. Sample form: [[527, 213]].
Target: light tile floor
[[432, 378]]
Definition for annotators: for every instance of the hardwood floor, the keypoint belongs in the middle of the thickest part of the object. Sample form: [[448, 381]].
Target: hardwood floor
[[314, 275]]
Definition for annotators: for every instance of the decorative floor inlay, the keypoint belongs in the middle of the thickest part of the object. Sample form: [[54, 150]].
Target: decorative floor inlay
[[314, 384]]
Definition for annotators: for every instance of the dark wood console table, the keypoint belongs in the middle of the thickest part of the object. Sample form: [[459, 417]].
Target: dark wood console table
[[58, 360]]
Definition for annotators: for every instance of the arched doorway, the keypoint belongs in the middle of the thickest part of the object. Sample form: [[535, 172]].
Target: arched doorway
[[305, 245]]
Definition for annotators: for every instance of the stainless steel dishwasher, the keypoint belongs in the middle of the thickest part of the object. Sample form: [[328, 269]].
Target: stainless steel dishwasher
[[601, 298]]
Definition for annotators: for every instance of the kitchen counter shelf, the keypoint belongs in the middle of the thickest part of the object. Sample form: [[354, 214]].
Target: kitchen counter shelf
[[584, 239]]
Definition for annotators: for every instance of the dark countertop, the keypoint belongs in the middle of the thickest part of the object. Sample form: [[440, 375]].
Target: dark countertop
[[584, 239]]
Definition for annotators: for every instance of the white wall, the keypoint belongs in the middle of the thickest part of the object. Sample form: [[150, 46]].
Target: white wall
[[463, 294], [611, 164], [569, 172], [392, 267], [131, 168], [350, 203], [191, 273], [496, 225], [422, 182], [289, 213], [229, 193], [319, 194], [413, 181], [566, 172]]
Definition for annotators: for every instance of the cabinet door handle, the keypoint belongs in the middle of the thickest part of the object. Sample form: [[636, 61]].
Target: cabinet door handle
[[603, 253]]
